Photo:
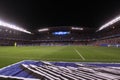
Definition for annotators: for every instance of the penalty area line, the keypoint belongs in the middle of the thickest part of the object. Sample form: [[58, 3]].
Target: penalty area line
[[79, 54]]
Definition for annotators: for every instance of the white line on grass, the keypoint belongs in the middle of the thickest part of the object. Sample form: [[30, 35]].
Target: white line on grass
[[79, 54]]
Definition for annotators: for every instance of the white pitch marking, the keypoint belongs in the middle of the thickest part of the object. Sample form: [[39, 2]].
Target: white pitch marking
[[79, 54]]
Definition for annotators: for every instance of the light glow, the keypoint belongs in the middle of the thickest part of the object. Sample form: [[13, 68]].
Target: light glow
[[44, 29], [61, 33], [110, 23], [76, 28], [5, 24]]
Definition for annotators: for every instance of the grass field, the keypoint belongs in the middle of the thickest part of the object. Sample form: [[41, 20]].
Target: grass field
[[9, 55]]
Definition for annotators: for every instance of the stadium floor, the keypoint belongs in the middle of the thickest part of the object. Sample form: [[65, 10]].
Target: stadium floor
[[10, 55]]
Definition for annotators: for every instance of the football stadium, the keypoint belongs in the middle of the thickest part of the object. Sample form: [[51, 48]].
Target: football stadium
[[57, 52]]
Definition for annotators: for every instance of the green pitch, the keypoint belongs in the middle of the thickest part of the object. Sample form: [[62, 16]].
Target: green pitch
[[9, 55]]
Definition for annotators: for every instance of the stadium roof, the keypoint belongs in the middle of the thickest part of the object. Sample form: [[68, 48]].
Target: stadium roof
[[32, 14]]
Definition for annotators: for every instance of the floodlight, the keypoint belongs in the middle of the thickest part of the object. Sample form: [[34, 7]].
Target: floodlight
[[5, 24], [110, 23], [76, 28], [44, 29]]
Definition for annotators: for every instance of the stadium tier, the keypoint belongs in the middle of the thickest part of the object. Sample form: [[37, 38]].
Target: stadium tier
[[63, 35]]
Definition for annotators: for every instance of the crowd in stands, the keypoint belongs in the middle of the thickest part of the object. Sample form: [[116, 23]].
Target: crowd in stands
[[108, 36], [110, 41]]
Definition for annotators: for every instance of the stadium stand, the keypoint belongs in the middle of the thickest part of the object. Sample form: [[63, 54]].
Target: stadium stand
[[9, 36], [87, 36], [108, 37]]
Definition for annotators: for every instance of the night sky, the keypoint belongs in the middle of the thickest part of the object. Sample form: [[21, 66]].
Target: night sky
[[34, 14]]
